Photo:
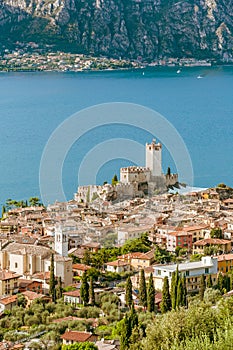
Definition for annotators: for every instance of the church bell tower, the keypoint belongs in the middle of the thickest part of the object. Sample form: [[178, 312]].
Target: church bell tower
[[61, 240]]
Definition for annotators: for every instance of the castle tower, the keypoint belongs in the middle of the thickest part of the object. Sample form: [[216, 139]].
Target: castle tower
[[61, 240], [154, 158]]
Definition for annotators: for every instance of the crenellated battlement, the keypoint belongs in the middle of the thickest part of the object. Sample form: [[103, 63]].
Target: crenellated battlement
[[134, 180]]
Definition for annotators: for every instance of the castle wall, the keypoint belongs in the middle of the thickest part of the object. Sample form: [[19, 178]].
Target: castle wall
[[86, 193], [134, 181], [132, 174]]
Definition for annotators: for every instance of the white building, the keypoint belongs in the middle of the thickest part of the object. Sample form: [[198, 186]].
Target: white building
[[61, 240], [192, 271]]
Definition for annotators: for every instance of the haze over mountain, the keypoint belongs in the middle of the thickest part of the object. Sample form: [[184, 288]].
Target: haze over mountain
[[123, 28]]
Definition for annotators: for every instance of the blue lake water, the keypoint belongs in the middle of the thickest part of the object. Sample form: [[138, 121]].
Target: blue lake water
[[33, 105]]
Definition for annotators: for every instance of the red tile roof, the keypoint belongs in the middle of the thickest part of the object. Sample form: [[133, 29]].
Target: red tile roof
[[76, 336], [8, 300], [212, 241], [81, 267], [73, 293], [6, 275], [225, 257], [117, 263], [32, 295], [137, 255]]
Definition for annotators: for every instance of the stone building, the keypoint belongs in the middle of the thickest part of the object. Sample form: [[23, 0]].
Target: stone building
[[135, 181], [28, 260]]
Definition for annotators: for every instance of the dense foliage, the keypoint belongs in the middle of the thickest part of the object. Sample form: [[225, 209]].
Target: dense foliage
[[199, 327]]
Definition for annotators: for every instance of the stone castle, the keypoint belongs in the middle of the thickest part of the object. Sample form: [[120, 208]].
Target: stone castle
[[134, 181]]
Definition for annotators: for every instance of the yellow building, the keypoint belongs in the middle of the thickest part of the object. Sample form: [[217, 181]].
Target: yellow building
[[138, 260], [8, 282], [198, 231], [225, 263]]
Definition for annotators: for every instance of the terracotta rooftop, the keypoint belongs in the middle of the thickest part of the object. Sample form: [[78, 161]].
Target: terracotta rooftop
[[32, 295], [6, 275], [73, 293], [228, 200], [138, 255], [225, 257], [81, 267], [117, 263], [195, 228], [76, 336], [212, 241], [8, 300], [179, 233], [41, 275], [21, 249]]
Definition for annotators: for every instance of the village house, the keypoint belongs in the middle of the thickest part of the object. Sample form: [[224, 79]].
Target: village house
[[135, 279], [138, 260], [181, 239], [72, 297], [198, 231], [79, 269], [225, 263], [92, 246], [31, 296], [9, 282], [7, 303], [192, 271], [31, 285], [125, 233], [71, 337], [223, 245], [117, 266]]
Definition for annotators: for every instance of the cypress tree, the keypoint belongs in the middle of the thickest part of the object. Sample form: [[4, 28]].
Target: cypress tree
[[180, 294], [59, 288], [52, 280], [142, 289], [3, 210], [227, 283], [128, 292], [202, 287], [209, 283], [133, 317], [220, 282], [174, 286], [151, 295], [125, 334], [184, 301], [173, 291], [231, 279], [84, 290], [166, 298], [91, 292]]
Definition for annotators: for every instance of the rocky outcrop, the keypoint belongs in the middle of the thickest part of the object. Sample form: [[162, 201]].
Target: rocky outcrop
[[151, 29]]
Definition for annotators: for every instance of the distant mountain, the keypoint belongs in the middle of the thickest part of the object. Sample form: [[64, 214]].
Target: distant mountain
[[128, 28]]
